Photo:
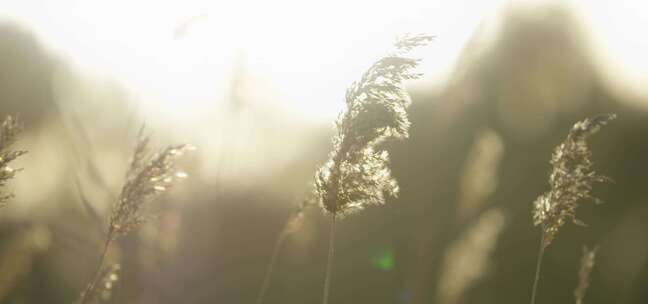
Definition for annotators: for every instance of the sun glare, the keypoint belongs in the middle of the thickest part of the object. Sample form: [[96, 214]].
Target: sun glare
[[617, 31], [171, 54]]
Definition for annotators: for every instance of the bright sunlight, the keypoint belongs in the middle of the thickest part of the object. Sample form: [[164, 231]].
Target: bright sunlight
[[171, 54]]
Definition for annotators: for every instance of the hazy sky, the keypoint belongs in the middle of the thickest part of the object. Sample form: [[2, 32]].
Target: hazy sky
[[174, 53]]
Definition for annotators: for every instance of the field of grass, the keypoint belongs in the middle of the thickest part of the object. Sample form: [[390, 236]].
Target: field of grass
[[520, 179]]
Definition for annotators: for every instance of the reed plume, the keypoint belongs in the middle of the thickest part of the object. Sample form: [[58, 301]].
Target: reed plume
[[587, 264], [479, 178], [149, 175], [357, 172], [9, 132], [571, 181], [468, 258], [292, 225]]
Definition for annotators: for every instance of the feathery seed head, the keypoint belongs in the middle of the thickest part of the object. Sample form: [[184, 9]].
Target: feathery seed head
[[469, 258], [571, 179], [357, 173], [296, 219], [587, 264], [9, 132], [149, 175]]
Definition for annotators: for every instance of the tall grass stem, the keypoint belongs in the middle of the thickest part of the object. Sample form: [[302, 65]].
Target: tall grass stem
[[536, 280], [329, 261], [271, 266], [97, 274]]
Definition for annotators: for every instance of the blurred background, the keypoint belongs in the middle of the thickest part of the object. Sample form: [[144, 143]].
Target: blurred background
[[256, 86]]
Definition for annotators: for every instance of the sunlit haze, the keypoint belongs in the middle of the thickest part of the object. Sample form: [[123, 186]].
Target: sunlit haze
[[173, 54], [333, 152]]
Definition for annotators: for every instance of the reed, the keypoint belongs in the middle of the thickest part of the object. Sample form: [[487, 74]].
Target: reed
[[149, 176], [587, 264], [9, 132], [468, 259], [357, 173], [294, 222], [571, 181]]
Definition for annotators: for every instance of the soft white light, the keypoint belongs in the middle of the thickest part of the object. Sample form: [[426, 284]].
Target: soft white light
[[617, 31], [177, 56]]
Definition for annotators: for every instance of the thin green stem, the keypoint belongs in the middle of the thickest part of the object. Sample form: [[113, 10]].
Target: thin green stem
[[85, 297], [538, 266], [271, 266], [329, 261]]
